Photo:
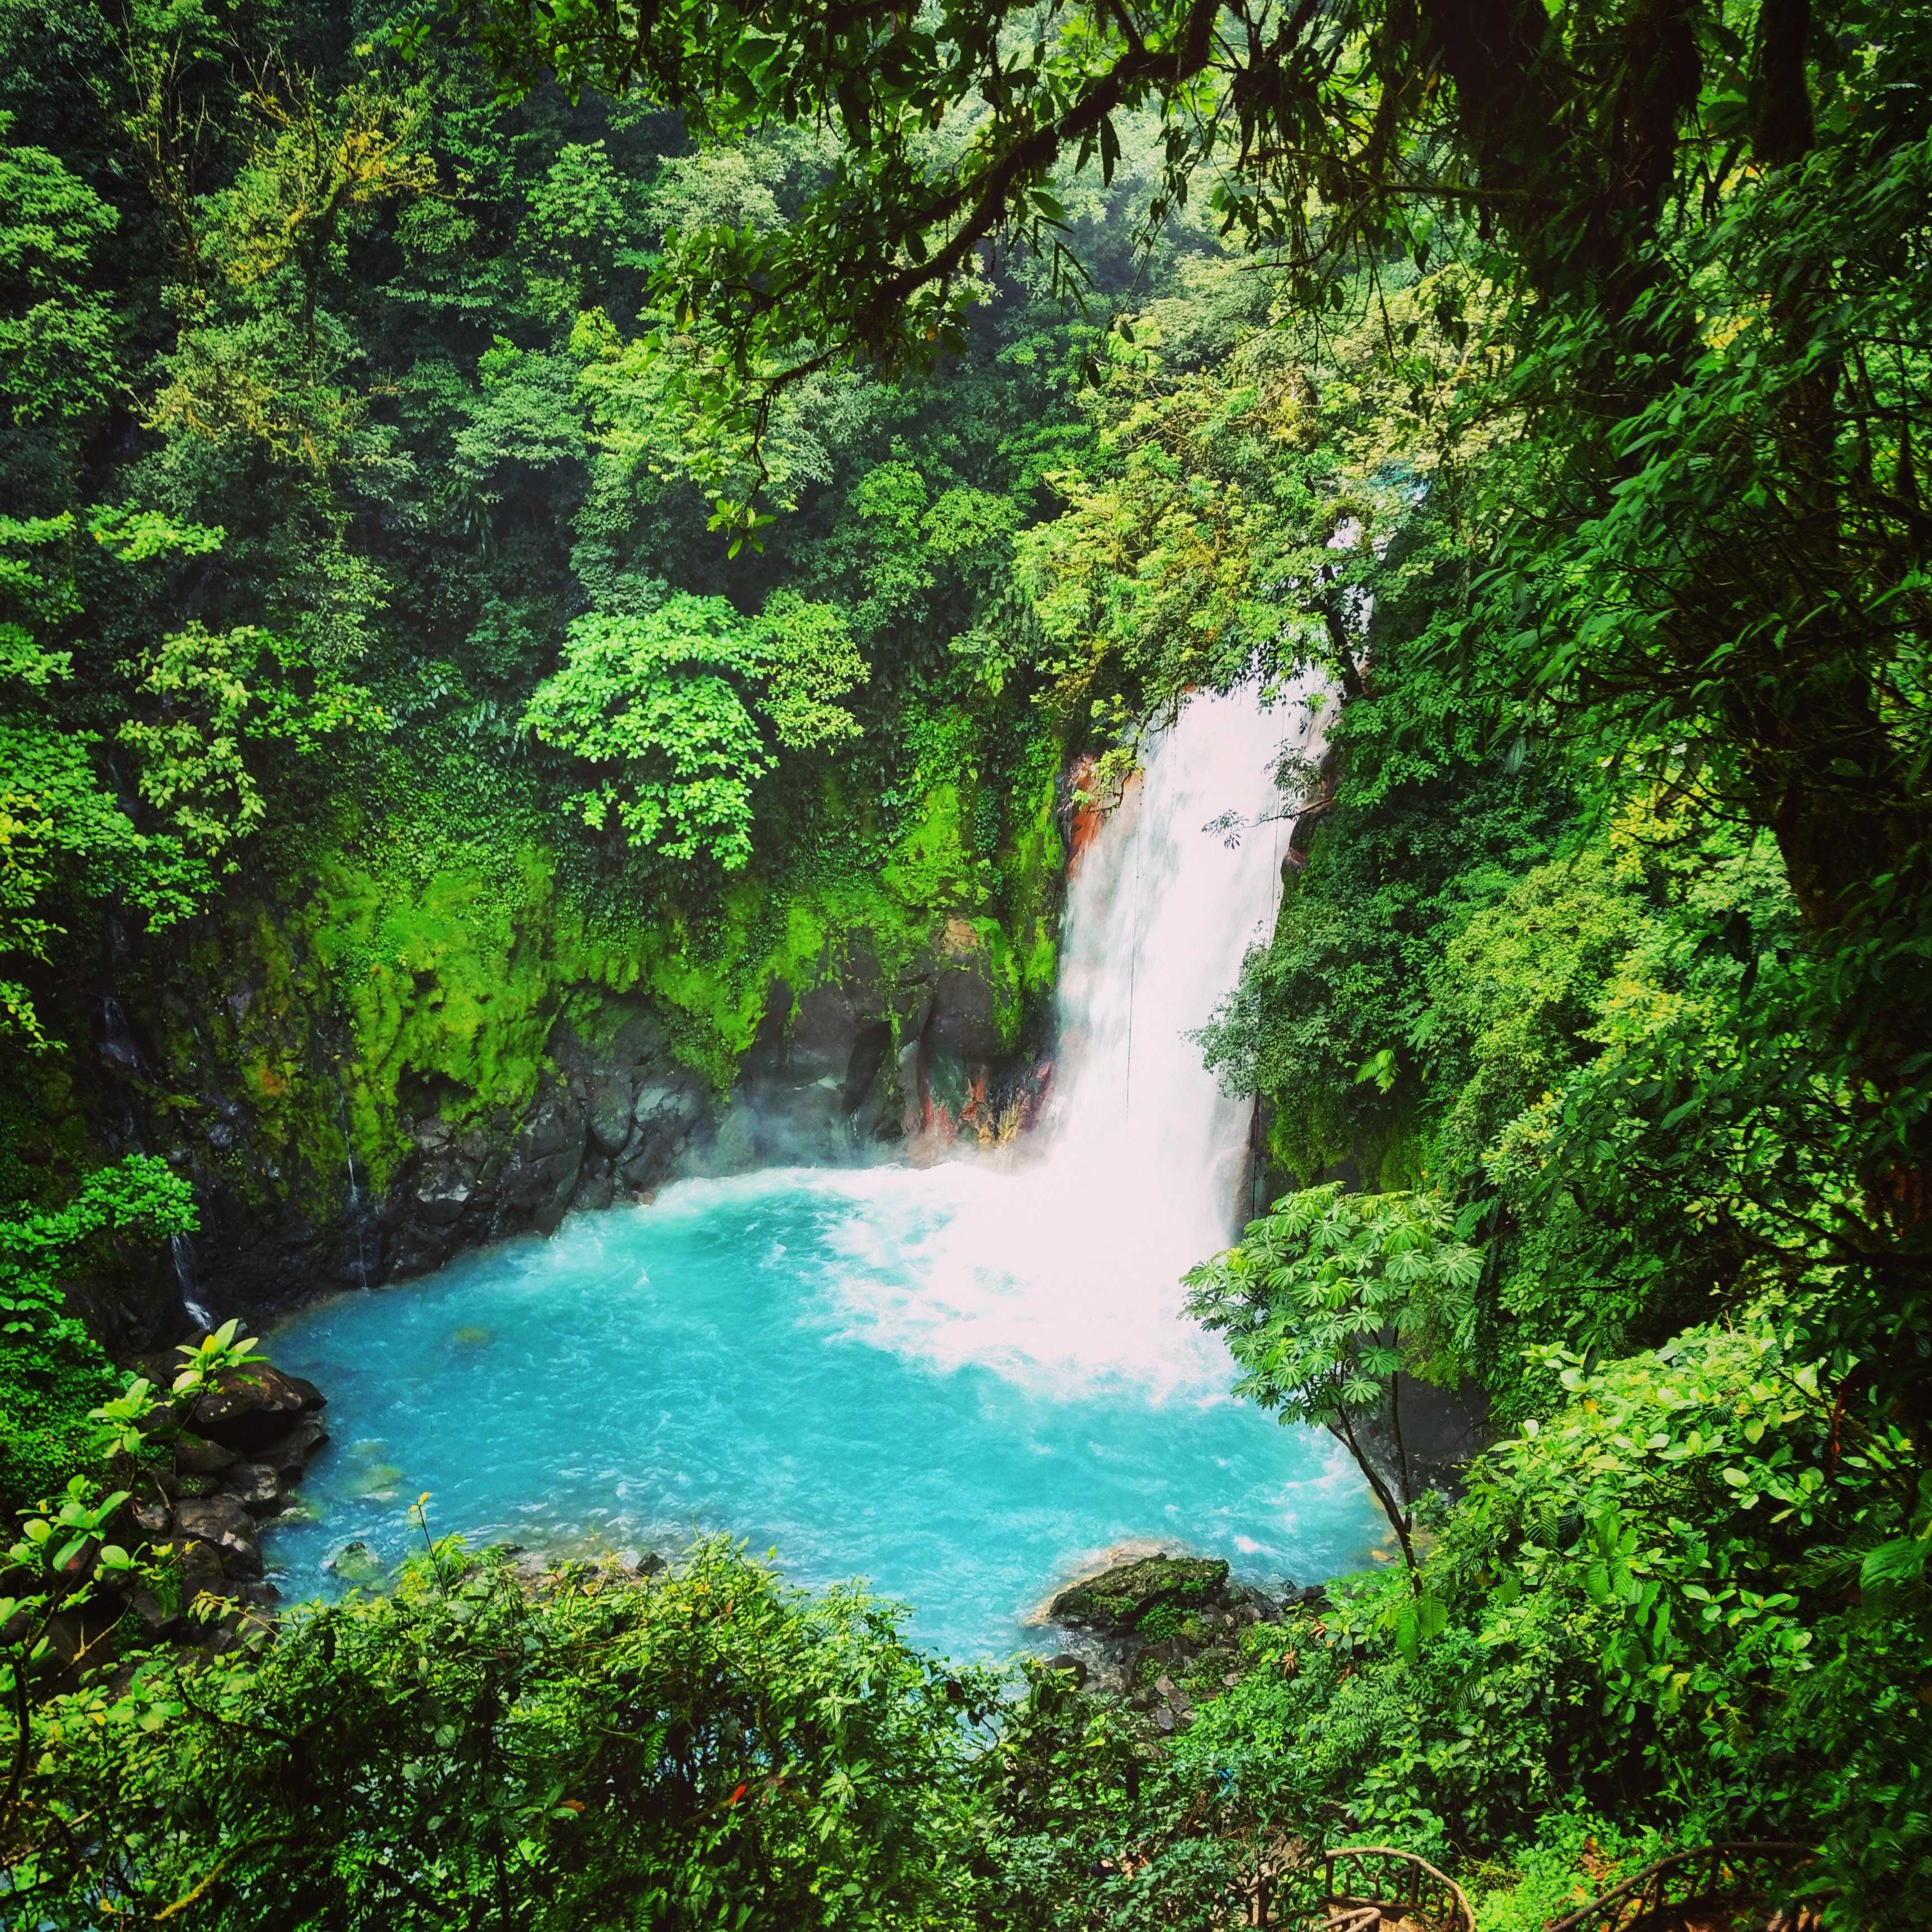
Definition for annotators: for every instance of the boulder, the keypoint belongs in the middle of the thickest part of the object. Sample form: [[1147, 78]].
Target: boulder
[[222, 1523], [152, 1520], [257, 1486], [198, 1568], [1120, 1599], [250, 1405], [198, 1456], [157, 1621], [610, 1112], [1071, 1666], [288, 1455]]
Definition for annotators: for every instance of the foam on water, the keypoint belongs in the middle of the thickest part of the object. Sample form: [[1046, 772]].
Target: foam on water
[[963, 1382]]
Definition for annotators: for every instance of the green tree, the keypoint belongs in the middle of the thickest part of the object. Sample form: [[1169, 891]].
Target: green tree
[[53, 1373], [662, 702], [1327, 1299], [56, 341]]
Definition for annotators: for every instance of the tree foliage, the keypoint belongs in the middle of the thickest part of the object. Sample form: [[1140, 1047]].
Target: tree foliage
[[661, 700]]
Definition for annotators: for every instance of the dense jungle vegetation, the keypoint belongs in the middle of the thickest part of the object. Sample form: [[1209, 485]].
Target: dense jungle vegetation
[[681, 481]]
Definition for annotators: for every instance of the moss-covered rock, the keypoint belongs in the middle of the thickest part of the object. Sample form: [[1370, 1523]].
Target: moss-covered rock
[[1145, 1596]]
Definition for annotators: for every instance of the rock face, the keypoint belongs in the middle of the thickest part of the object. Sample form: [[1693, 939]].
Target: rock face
[[314, 1172], [920, 1058]]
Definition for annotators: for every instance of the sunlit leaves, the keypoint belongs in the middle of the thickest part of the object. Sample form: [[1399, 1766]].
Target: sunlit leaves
[[662, 705]]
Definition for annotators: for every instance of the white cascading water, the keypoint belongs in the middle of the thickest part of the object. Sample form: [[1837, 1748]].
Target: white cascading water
[[1162, 907], [1065, 1268]]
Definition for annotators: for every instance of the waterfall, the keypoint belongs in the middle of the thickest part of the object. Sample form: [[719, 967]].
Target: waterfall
[[355, 1216], [182, 1249], [1063, 1270], [122, 1055], [1163, 905]]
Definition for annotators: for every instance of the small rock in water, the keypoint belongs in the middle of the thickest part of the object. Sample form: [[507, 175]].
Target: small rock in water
[[357, 1564], [470, 1335], [377, 1483]]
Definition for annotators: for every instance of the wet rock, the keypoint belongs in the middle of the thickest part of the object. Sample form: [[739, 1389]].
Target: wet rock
[[221, 1522], [255, 1486], [596, 1189], [358, 1565], [965, 1016], [541, 1174], [200, 1457], [250, 1405], [662, 1117], [610, 1112], [288, 1455]]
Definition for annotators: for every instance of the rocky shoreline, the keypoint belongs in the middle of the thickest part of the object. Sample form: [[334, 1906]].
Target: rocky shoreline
[[244, 1446]]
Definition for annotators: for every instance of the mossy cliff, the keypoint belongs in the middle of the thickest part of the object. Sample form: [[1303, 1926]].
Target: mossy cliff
[[445, 1030]]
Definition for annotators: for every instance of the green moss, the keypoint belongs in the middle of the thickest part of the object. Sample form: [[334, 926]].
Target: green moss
[[1033, 868], [933, 865], [48, 1385], [1163, 1621], [438, 943]]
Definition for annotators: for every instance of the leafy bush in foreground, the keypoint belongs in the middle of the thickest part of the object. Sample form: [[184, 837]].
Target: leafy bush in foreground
[[709, 1748]]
